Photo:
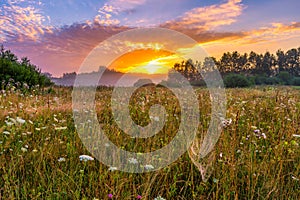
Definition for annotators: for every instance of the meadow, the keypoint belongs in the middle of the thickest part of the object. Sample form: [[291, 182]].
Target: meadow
[[256, 157]]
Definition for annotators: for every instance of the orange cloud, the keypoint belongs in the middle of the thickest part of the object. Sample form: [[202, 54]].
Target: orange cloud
[[271, 38]]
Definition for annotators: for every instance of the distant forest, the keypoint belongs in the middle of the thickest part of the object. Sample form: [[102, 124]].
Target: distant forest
[[242, 70]]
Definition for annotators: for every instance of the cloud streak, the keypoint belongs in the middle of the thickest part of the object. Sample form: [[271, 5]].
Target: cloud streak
[[207, 18]]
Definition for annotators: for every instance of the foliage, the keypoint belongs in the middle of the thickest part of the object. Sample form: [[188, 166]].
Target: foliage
[[295, 81], [285, 77], [267, 68], [236, 80], [20, 73]]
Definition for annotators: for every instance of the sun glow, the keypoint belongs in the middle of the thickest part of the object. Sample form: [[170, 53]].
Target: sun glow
[[147, 61], [153, 67]]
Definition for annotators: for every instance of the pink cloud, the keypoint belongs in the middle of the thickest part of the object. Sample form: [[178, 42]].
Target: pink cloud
[[207, 18], [22, 23]]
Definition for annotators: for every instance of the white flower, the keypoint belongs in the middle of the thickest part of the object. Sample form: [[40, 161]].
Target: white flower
[[226, 123], [20, 120], [9, 123], [62, 159], [133, 161], [149, 167], [264, 135], [295, 178], [85, 158], [112, 169], [6, 133], [60, 128], [298, 136], [23, 149], [159, 198]]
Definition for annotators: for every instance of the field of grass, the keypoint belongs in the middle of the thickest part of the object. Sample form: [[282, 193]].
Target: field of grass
[[256, 157]]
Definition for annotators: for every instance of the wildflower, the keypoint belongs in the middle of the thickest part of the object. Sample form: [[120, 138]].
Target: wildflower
[[226, 123], [149, 167], [215, 180], [133, 161], [295, 178], [62, 159], [20, 120], [112, 169], [159, 198], [85, 158], [294, 135], [60, 128], [256, 131], [23, 149], [9, 123], [139, 197], [264, 135], [6, 132], [110, 196], [34, 150]]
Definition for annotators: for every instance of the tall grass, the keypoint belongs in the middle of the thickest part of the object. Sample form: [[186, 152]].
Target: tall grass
[[256, 157]]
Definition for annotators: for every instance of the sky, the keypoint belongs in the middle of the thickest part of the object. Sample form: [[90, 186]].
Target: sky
[[58, 35]]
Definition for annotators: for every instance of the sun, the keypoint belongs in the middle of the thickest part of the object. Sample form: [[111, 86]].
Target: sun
[[154, 67]]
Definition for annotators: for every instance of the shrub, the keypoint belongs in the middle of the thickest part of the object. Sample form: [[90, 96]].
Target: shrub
[[296, 81], [236, 80], [23, 73], [285, 77]]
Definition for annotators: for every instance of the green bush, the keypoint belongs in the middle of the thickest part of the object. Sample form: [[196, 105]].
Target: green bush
[[285, 77], [296, 81], [20, 73], [236, 80]]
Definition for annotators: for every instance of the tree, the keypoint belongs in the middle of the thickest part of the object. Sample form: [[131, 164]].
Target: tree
[[19, 73]]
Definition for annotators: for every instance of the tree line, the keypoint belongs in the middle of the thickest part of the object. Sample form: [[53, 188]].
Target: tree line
[[246, 69], [20, 73]]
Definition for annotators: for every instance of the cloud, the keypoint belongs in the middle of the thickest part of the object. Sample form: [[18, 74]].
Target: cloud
[[207, 18], [271, 33], [113, 8], [21, 23], [124, 5], [65, 48]]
